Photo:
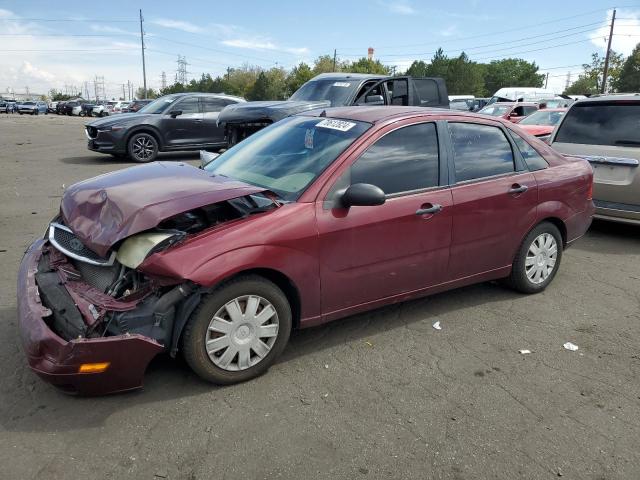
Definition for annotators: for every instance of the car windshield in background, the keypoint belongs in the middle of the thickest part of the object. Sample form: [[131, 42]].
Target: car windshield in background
[[157, 106], [495, 110], [601, 123], [543, 117], [287, 156], [29, 103], [337, 92]]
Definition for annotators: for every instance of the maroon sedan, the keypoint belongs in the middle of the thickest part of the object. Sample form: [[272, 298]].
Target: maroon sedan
[[317, 217]]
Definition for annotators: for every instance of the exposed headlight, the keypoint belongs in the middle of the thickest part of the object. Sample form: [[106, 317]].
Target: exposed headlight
[[136, 248]]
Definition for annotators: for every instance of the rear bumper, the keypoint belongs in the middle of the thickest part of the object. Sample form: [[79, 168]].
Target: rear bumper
[[617, 212], [578, 224], [57, 361]]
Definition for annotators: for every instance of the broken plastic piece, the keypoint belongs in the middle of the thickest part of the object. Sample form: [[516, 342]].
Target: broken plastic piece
[[437, 325], [524, 352], [570, 346]]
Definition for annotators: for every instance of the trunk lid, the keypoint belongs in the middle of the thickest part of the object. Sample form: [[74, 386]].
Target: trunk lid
[[104, 210]]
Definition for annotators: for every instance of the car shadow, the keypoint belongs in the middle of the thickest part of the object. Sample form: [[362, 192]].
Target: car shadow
[[598, 238], [30, 405], [110, 160]]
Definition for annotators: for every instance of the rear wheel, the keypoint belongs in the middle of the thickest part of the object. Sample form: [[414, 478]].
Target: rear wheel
[[238, 330], [537, 260], [143, 148]]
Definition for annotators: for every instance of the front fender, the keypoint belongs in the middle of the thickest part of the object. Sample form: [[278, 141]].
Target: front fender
[[301, 268]]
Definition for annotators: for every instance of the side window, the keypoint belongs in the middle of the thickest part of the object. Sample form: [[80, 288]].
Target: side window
[[403, 160], [398, 91], [480, 151], [531, 157], [427, 92], [188, 106], [518, 111], [376, 91], [529, 110], [211, 104]]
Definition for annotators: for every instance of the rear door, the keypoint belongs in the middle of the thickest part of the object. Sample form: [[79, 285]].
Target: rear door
[[495, 199], [184, 129], [211, 107], [607, 134]]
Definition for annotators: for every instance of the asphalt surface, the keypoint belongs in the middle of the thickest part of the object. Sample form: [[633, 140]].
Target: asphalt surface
[[379, 395]]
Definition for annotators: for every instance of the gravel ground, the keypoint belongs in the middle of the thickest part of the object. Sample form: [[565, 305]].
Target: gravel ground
[[379, 395]]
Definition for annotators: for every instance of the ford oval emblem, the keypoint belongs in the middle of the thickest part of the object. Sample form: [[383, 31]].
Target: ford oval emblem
[[76, 244]]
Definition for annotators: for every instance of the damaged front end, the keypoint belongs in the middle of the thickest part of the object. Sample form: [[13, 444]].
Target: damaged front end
[[91, 323]]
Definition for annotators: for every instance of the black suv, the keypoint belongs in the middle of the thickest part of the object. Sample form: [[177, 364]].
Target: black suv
[[334, 90], [182, 121]]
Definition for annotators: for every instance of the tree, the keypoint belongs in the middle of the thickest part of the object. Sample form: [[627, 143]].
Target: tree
[[365, 65], [324, 64], [590, 81], [584, 85], [298, 76], [512, 72], [417, 69], [150, 93], [465, 77], [629, 75], [57, 96]]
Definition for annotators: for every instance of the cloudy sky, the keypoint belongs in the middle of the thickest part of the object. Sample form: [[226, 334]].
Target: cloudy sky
[[49, 44]]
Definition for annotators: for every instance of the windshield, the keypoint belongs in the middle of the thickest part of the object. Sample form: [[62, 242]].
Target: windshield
[[28, 103], [336, 92], [288, 156], [543, 117], [159, 105], [495, 110]]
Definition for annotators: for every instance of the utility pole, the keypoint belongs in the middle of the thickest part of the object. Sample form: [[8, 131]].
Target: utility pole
[[124, 97], [335, 53], [144, 68], [546, 81], [129, 89], [606, 58]]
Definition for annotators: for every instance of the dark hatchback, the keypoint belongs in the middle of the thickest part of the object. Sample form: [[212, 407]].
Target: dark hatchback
[[183, 121]]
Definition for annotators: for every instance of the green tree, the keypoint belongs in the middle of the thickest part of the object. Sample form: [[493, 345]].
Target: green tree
[[512, 72], [465, 77], [299, 75], [584, 85], [365, 65], [590, 81], [324, 64], [58, 96], [439, 66], [629, 75], [417, 69], [150, 93]]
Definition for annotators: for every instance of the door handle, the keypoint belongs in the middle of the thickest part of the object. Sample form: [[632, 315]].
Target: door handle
[[517, 188], [434, 208]]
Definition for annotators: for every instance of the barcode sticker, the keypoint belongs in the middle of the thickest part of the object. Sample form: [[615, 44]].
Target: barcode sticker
[[341, 125]]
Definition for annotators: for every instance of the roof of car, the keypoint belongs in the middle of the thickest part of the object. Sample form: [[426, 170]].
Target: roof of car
[[208, 94], [374, 114], [346, 75], [607, 98]]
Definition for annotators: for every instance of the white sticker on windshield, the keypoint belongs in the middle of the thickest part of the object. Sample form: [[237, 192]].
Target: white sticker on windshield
[[336, 125], [308, 138], [341, 84]]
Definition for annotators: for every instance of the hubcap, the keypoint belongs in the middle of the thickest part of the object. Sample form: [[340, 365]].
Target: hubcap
[[143, 148], [242, 333], [541, 258]]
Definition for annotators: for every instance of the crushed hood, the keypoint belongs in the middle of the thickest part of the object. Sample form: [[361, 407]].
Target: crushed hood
[[269, 110], [104, 210]]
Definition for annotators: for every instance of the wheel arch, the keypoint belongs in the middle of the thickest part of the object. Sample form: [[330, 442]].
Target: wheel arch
[[144, 129], [559, 224]]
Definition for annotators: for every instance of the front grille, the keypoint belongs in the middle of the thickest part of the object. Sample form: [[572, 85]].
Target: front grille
[[66, 241]]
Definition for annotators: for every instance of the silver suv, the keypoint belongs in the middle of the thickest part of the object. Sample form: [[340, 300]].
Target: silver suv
[[605, 130]]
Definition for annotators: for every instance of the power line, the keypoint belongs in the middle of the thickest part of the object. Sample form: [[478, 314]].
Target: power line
[[102, 20], [66, 34]]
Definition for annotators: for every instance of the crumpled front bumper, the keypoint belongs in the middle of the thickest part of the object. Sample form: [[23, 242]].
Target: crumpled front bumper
[[57, 361]]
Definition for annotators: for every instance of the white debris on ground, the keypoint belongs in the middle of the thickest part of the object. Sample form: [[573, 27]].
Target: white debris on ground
[[570, 346], [437, 325]]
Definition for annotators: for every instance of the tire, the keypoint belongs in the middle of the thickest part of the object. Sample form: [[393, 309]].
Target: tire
[[241, 335], [524, 277], [142, 148]]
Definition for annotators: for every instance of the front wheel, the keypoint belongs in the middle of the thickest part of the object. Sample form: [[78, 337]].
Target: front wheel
[[238, 330], [143, 148], [537, 260]]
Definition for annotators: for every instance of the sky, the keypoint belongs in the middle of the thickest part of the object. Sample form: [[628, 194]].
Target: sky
[[47, 44]]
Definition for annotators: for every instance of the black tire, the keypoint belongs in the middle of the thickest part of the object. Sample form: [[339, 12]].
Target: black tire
[[135, 147], [193, 338], [518, 280]]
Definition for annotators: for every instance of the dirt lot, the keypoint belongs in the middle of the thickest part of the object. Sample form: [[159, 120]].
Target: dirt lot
[[380, 395]]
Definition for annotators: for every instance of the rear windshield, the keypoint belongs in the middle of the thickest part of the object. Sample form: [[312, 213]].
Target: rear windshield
[[495, 110], [602, 123]]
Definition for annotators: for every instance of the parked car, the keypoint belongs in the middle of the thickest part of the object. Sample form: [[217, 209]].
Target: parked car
[[52, 107], [61, 108], [461, 104], [300, 224], [135, 106], [4, 106], [103, 110], [558, 102], [541, 123], [332, 90], [183, 121], [119, 106], [511, 111], [479, 103], [86, 109], [32, 108], [604, 130], [521, 94]]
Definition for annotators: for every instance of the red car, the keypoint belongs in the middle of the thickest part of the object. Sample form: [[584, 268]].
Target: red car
[[541, 123], [316, 217], [512, 111]]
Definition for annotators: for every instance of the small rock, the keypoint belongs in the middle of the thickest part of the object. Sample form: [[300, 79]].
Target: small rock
[[304, 401], [559, 473], [160, 474], [363, 470]]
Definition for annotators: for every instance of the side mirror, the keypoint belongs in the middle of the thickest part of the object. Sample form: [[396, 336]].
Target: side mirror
[[207, 157], [175, 113], [374, 100], [362, 195]]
